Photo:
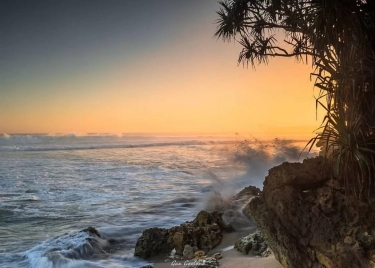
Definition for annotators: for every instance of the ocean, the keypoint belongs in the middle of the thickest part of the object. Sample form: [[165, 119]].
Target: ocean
[[53, 186]]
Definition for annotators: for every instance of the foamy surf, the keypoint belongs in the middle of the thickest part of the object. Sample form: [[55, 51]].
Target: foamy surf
[[69, 250]]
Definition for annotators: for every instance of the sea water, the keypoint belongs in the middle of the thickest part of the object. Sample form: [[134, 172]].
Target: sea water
[[53, 186]]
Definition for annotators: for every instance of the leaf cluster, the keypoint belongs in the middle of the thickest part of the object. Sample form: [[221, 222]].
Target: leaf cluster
[[339, 38]]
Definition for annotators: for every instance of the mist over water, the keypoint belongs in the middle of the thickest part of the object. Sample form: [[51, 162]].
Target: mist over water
[[258, 157], [53, 186]]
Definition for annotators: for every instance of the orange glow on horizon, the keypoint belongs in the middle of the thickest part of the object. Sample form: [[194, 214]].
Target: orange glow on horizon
[[168, 90]]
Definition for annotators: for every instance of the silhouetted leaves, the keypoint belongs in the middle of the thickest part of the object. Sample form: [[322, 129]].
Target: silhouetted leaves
[[339, 37]]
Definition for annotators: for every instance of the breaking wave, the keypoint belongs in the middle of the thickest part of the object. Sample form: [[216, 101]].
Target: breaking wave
[[257, 157]]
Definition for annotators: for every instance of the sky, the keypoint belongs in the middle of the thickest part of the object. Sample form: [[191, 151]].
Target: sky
[[145, 66]]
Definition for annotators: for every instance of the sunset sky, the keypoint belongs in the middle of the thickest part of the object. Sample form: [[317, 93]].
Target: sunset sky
[[139, 66]]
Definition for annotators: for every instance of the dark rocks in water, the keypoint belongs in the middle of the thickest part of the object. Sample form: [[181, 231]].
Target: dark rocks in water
[[254, 244], [204, 233], [84, 245], [308, 221], [92, 231], [147, 266]]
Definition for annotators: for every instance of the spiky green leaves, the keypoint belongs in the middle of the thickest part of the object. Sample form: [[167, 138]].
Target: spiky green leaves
[[339, 37]]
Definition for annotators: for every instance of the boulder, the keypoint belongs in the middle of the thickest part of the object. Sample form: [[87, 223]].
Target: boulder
[[254, 244], [308, 220], [204, 233], [152, 241]]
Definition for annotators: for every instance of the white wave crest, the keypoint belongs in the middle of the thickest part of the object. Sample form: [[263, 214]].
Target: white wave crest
[[67, 251]]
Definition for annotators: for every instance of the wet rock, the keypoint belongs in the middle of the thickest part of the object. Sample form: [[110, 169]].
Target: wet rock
[[254, 244], [204, 233], [232, 207], [205, 218], [308, 221], [92, 231], [223, 204], [86, 244], [203, 237], [147, 266], [247, 193], [153, 241]]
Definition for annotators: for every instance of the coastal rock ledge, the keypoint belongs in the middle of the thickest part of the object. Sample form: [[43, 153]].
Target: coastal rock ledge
[[308, 221], [204, 233]]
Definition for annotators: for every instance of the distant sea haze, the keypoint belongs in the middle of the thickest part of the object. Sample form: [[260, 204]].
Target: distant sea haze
[[53, 186]]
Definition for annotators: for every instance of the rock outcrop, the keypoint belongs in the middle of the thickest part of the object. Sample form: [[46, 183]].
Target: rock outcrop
[[204, 233], [84, 245], [246, 193], [308, 220], [254, 244], [232, 207]]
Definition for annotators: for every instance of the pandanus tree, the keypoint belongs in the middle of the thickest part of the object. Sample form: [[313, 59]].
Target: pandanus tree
[[337, 37]]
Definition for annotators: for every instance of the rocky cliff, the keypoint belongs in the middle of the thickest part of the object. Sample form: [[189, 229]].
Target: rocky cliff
[[308, 221]]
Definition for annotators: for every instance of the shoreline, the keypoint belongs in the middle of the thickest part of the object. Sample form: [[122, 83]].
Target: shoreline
[[230, 256]]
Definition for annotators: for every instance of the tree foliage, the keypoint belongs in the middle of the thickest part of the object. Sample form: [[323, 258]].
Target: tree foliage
[[338, 37]]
